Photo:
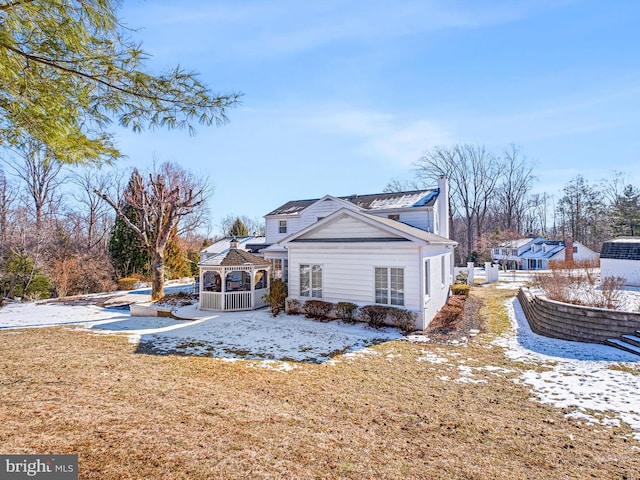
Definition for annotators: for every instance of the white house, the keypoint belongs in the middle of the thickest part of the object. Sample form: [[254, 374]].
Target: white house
[[536, 253], [389, 249], [620, 257]]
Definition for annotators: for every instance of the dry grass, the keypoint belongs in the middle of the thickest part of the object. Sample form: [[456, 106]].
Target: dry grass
[[383, 415]]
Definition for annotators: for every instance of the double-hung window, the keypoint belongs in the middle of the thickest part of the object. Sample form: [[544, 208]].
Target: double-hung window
[[389, 285], [282, 226], [311, 281]]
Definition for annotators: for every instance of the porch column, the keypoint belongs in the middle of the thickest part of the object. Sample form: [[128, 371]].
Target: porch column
[[253, 286]]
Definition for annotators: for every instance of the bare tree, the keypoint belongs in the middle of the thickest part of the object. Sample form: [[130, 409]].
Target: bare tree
[[7, 197], [473, 174], [41, 175], [95, 217], [162, 199], [511, 195]]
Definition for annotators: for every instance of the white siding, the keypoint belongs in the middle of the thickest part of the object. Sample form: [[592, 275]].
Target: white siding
[[422, 219], [318, 210], [348, 270], [347, 227], [272, 229], [627, 269], [438, 291]]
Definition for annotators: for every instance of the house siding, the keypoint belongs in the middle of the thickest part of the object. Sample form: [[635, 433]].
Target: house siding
[[422, 219], [348, 271], [627, 269], [345, 227], [272, 227]]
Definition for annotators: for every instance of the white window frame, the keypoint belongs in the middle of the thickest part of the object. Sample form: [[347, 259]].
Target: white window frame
[[314, 287], [392, 296], [442, 270], [282, 226], [427, 278]]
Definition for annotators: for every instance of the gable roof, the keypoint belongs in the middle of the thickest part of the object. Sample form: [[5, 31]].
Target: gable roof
[[402, 230], [623, 248], [376, 201]]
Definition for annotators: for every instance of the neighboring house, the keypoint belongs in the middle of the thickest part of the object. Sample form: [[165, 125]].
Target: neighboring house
[[620, 257], [389, 249], [536, 253], [250, 244]]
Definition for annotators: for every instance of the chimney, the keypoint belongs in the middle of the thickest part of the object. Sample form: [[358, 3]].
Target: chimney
[[442, 206], [568, 249]]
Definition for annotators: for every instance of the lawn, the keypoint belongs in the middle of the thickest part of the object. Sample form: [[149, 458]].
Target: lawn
[[394, 410]]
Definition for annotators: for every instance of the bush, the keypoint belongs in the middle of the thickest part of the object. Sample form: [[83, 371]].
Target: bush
[[403, 319], [460, 289], [457, 300], [346, 311], [127, 283], [374, 315], [293, 307], [445, 320], [276, 296], [317, 309]]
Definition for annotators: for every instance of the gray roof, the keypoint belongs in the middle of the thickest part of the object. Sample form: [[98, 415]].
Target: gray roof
[[623, 248], [376, 201], [236, 257]]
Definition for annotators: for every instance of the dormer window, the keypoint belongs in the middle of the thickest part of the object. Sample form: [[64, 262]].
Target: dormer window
[[282, 228], [394, 216]]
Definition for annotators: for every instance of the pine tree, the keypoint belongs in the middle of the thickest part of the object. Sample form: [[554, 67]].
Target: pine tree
[[238, 229], [128, 255], [626, 213], [69, 67]]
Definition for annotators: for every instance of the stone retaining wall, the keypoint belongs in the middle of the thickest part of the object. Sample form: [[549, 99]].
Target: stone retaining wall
[[575, 322]]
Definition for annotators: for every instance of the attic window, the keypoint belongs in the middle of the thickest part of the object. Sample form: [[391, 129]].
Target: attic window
[[394, 216], [282, 228]]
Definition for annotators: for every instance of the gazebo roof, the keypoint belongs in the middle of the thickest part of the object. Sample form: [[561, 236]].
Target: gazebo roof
[[236, 258]]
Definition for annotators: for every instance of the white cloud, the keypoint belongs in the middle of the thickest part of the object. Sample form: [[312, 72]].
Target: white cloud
[[388, 137]]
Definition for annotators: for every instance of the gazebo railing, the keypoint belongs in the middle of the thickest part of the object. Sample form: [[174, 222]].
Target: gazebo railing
[[237, 301], [232, 300]]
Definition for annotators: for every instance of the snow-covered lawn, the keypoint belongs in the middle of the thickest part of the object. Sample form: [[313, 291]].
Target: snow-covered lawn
[[598, 384], [248, 335], [578, 376]]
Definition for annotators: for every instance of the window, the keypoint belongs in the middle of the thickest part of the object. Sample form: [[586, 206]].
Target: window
[[575, 249], [282, 227], [311, 281], [442, 268], [394, 216], [389, 286], [427, 278], [281, 269]]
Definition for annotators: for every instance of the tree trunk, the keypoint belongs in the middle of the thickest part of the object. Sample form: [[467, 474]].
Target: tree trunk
[[157, 287]]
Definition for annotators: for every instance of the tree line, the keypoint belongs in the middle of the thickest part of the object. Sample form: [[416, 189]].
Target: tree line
[[492, 200]]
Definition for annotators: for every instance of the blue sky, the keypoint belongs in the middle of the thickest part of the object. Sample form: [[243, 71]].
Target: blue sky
[[342, 96]]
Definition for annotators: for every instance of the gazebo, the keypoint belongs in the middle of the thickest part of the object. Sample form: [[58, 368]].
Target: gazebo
[[234, 280]]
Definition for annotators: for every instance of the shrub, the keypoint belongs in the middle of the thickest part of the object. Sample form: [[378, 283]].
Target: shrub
[[127, 283], [462, 277], [445, 320], [460, 289], [374, 315], [276, 296], [293, 307], [457, 300], [403, 319], [317, 309], [346, 311]]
